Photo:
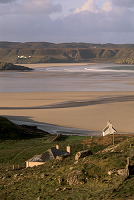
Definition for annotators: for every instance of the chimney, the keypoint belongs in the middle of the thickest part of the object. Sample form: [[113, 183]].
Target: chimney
[[57, 146], [68, 149], [109, 122]]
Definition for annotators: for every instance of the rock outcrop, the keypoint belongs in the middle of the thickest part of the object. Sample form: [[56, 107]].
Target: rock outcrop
[[75, 177], [82, 154], [10, 66]]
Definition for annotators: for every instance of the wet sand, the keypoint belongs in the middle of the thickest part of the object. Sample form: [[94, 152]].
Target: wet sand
[[46, 97], [55, 64], [82, 110]]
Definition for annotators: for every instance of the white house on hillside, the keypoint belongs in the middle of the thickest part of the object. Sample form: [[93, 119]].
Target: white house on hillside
[[108, 130]]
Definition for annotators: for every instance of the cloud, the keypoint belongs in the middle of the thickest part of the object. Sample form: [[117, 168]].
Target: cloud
[[30, 7], [123, 3], [30, 20], [107, 6], [88, 6], [6, 1], [106, 23], [40, 6]]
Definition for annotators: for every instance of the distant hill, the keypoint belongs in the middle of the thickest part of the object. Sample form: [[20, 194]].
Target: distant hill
[[39, 45], [9, 130], [45, 52]]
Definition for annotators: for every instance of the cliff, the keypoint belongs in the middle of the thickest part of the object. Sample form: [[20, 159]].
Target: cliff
[[44, 52]]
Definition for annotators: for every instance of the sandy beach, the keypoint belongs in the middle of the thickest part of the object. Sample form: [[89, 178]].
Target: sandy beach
[[78, 99], [55, 64], [84, 110]]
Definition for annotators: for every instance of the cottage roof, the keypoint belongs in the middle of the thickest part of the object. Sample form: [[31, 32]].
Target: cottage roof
[[36, 158], [107, 127], [50, 154]]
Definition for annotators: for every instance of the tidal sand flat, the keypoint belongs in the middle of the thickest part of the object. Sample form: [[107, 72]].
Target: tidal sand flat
[[64, 77], [82, 110], [81, 96]]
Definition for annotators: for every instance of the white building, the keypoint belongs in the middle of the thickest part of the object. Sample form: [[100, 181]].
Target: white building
[[108, 130]]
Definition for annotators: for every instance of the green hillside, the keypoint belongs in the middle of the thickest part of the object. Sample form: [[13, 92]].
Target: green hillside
[[66, 179]]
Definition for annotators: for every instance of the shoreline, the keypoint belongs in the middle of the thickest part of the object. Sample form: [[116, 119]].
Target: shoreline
[[56, 129], [42, 80], [56, 64]]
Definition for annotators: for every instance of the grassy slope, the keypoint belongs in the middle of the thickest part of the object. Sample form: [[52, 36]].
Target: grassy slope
[[49, 181]]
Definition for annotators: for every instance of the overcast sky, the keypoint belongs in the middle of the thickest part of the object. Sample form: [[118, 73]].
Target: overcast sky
[[95, 21]]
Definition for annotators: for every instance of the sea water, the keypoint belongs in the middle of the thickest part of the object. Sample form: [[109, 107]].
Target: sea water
[[92, 77]]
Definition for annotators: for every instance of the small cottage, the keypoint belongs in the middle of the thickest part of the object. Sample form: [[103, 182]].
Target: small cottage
[[50, 154], [108, 130]]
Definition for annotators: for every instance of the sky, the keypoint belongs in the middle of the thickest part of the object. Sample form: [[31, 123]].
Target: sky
[[92, 21]]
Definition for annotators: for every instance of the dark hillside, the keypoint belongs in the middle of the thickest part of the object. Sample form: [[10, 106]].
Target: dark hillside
[[9, 130]]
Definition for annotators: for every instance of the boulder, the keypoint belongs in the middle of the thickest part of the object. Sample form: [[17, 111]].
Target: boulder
[[75, 177], [82, 154]]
